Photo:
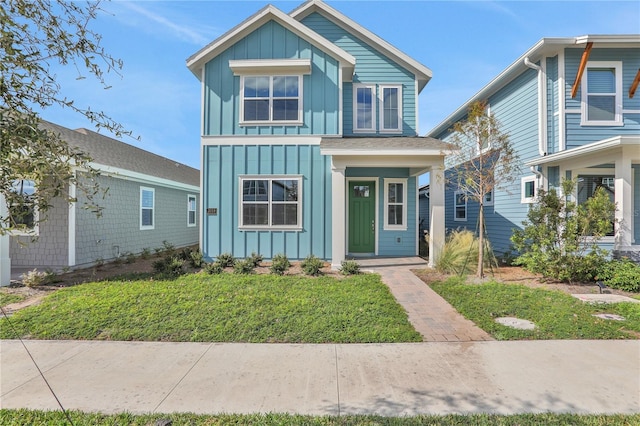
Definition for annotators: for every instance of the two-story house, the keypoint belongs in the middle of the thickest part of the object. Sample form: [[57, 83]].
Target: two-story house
[[570, 108], [309, 140]]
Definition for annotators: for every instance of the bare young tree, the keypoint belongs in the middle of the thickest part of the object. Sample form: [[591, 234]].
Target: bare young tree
[[35, 36], [482, 163]]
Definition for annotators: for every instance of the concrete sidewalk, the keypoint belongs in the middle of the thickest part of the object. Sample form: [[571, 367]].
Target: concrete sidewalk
[[385, 379]]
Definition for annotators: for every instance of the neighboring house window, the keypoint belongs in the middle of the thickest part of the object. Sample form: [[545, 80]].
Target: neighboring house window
[[191, 210], [271, 202], [147, 208], [395, 199], [271, 99], [588, 184], [528, 189], [391, 109], [24, 213], [364, 108], [460, 206], [488, 198], [602, 94]]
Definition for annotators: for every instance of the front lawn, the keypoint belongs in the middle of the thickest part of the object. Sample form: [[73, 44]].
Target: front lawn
[[220, 308], [36, 417], [556, 315]]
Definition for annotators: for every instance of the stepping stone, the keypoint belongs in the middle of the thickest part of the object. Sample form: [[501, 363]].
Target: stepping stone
[[520, 324], [604, 298], [613, 317]]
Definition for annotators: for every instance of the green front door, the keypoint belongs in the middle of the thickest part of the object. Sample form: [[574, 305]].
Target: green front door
[[362, 216]]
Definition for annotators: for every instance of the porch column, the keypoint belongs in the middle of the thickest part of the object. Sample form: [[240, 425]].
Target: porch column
[[623, 199], [436, 213], [338, 211], [5, 260]]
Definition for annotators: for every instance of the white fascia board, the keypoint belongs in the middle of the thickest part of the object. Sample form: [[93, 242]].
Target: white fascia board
[[586, 149], [623, 39], [119, 173], [270, 66], [422, 72], [421, 162], [380, 152], [261, 140], [266, 14]]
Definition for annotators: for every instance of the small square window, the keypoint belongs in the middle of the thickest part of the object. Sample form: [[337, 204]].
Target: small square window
[[528, 189]]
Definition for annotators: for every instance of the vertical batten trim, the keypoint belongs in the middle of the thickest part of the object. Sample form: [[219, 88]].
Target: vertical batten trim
[[561, 102], [71, 227], [417, 110]]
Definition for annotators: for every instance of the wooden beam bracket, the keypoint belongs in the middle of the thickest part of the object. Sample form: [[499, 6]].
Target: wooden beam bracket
[[583, 65], [634, 85]]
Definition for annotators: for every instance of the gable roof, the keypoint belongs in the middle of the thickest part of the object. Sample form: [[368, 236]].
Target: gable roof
[[421, 72], [544, 47], [105, 151], [268, 13]]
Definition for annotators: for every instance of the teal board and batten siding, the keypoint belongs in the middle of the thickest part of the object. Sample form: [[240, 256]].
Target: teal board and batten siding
[[577, 135], [392, 242], [321, 97], [516, 108], [224, 164], [371, 67]]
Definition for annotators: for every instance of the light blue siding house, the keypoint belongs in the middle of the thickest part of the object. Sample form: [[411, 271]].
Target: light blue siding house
[[309, 139], [571, 110]]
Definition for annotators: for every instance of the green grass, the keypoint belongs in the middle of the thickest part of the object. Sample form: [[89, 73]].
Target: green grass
[[35, 417], [9, 298], [220, 308], [557, 315]]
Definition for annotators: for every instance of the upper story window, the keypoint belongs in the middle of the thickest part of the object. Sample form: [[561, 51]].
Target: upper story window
[[602, 94], [24, 215], [271, 98], [147, 208], [271, 202], [391, 109], [191, 210], [364, 107]]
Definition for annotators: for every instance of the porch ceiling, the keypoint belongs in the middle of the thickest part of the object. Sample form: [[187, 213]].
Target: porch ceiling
[[384, 146]]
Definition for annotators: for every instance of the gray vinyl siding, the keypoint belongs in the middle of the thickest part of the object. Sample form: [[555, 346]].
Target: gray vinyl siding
[[372, 67], [51, 248], [320, 89], [117, 230]]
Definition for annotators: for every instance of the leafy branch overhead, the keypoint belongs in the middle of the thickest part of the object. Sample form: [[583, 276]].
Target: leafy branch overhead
[[37, 36]]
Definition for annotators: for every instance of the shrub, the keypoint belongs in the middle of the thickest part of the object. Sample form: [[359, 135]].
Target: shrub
[[168, 247], [620, 274], [349, 267], [255, 258], [459, 254], [196, 258], [171, 266], [145, 253], [130, 257], [279, 264], [34, 278], [311, 265], [225, 259], [244, 267], [213, 268]]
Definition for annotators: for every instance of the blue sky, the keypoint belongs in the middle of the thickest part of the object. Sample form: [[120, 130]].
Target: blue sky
[[465, 43]]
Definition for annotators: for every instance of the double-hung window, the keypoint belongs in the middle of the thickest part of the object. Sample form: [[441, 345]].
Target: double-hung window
[[147, 208], [602, 94], [271, 202], [270, 99], [460, 206], [364, 108], [191, 210], [395, 199], [391, 109], [22, 209]]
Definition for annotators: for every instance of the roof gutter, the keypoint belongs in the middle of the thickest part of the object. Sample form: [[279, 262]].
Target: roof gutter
[[542, 104]]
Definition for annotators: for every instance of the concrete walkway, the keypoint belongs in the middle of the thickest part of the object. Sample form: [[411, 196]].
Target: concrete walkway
[[384, 379], [429, 313]]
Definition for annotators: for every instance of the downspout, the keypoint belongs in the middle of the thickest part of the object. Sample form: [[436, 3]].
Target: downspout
[[542, 137]]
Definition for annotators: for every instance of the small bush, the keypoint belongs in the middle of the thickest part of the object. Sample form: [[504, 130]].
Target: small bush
[[168, 247], [171, 266], [243, 267], [34, 278], [459, 254], [255, 258], [225, 259], [129, 257], [214, 268], [196, 258], [620, 274], [145, 253], [311, 265], [279, 264], [350, 267]]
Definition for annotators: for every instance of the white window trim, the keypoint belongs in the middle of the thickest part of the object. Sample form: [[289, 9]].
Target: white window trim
[[271, 121], [618, 121], [523, 182], [386, 226], [489, 202], [455, 206], [373, 127], [241, 226], [153, 209], [29, 232], [195, 210], [381, 107]]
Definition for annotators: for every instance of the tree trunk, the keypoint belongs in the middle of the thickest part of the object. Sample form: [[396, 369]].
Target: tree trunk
[[481, 241]]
